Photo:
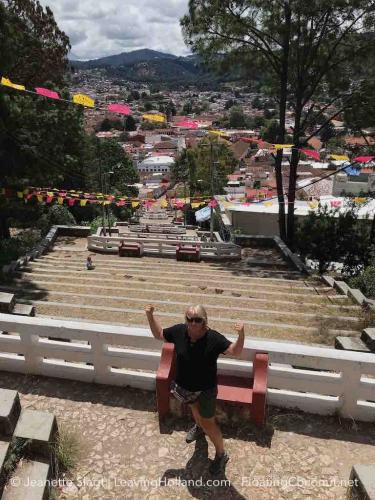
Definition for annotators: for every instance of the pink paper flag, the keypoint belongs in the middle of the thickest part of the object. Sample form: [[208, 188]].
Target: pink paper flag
[[336, 203], [119, 108], [187, 124], [212, 203], [312, 153], [363, 159], [49, 199], [47, 93], [71, 201]]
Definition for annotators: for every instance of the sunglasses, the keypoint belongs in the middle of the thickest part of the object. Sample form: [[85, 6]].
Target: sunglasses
[[194, 320]]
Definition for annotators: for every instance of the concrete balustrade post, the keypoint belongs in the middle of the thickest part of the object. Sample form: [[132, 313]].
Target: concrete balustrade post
[[351, 377], [33, 360], [101, 369]]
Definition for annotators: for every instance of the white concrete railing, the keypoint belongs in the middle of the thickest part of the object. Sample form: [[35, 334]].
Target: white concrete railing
[[129, 356], [156, 246], [155, 215]]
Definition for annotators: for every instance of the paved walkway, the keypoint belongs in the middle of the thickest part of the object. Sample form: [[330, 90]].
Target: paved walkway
[[123, 447]]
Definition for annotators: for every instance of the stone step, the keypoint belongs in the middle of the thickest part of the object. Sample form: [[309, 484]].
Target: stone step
[[251, 262], [104, 300], [40, 427], [10, 408], [187, 296], [24, 310], [210, 272], [7, 301], [29, 482], [136, 317], [4, 447], [175, 282], [351, 344], [363, 482], [170, 276], [368, 337], [264, 273]]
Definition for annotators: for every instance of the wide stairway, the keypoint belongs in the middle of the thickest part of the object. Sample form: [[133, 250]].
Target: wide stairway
[[27, 449], [273, 300]]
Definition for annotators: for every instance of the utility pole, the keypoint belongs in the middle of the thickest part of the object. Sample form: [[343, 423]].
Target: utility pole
[[101, 184], [212, 172]]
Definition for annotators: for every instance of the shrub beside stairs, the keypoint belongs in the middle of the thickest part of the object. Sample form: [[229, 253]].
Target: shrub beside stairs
[[27, 449]]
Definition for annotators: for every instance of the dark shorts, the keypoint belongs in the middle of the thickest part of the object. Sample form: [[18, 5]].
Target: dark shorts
[[207, 403]]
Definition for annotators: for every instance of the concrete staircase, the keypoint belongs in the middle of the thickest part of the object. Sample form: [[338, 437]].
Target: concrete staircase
[[26, 437], [9, 305], [365, 343], [273, 300]]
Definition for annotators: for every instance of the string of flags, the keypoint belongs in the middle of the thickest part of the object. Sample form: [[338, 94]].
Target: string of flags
[[78, 198], [81, 99]]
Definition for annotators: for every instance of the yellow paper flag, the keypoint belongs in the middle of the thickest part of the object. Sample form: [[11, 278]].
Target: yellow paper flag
[[8, 83], [83, 203], [360, 200], [313, 204], [60, 200], [268, 203], [282, 146], [154, 118], [195, 205], [20, 194], [84, 100], [163, 204], [218, 132], [135, 204], [339, 157], [40, 198]]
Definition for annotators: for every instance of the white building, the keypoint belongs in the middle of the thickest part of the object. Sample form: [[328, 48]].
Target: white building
[[156, 164], [262, 218]]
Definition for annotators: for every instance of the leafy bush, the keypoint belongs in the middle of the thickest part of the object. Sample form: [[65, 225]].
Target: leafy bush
[[55, 215], [98, 222], [327, 236], [12, 248], [365, 282]]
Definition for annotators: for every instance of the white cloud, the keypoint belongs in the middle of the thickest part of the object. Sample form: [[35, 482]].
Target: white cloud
[[106, 28]]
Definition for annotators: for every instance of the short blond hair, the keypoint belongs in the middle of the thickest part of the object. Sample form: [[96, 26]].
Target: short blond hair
[[198, 310]]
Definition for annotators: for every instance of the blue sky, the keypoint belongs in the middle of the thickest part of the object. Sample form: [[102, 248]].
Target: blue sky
[[98, 29]]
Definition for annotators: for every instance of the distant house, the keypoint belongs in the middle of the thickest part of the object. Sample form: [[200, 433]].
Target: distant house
[[156, 164], [346, 184]]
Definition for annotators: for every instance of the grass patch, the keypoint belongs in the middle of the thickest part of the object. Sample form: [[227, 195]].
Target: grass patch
[[16, 451], [68, 449], [366, 317]]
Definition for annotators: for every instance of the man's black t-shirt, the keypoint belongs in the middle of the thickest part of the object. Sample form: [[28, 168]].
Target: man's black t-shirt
[[196, 362]]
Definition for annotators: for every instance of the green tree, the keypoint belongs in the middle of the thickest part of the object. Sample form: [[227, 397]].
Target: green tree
[[130, 124], [269, 131], [209, 163], [39, 47], [361, 113], [104, 156], [237, 118], [327, 236], [327, 132], [187, 108], [305, 49], [40, 139]]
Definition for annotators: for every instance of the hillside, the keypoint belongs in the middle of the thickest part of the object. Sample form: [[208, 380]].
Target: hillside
[[151, 66]]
